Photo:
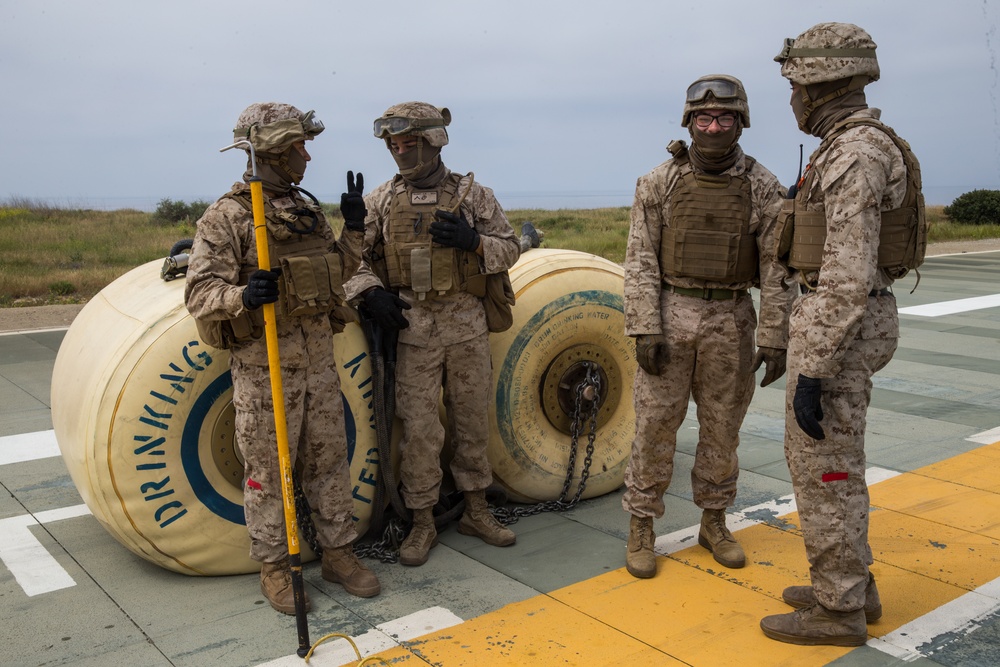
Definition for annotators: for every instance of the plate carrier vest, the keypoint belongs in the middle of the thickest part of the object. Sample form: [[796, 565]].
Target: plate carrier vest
[[709, 237], [903, 231]]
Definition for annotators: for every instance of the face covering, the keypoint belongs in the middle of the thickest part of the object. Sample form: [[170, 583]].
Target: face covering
[[714, 153], [278, 173], [422, 166], [828, 103]]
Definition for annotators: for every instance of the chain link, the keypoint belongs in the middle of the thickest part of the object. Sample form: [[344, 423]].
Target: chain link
[[386, 548], [509, 515]]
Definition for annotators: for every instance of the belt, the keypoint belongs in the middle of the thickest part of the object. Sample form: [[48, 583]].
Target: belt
[[707, 293], [875, 292]]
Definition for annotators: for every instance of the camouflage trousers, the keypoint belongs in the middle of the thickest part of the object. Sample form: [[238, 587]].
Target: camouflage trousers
[[711, 345], [464, 372], [828, 476], [317, 447]]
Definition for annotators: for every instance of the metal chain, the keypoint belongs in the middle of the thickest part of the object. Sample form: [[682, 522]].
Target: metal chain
[[509, 515], [386, 548], [303, 516]]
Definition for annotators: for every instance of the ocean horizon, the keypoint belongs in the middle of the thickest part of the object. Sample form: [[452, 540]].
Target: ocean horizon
[[510, 200]]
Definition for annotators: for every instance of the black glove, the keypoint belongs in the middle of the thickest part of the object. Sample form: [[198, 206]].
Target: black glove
[[808, 410], [387, 309], [454, 231], [775, 358], [352, 204], [261, 288], [651, 352]]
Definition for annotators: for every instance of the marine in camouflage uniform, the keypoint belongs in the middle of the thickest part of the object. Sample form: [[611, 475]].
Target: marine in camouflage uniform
[[226, 288], [430, 234], [693, 318], [843, 328]]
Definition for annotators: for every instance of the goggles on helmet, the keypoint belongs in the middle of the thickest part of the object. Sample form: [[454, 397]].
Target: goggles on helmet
[[279, 135], [393, 125], [720, 89], [311, 125]]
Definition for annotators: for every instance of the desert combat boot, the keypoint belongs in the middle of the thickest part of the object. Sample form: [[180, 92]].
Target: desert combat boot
[[640, 561], [423, 536], [276, 585], [801, 597], [817, 625], [341, 566], [478, 521], [715, 536]]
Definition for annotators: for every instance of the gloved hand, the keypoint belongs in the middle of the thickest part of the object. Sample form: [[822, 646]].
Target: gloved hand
[[775, 358], [352, 203], [454, 231], [652, 353], [387, 309], [807, 406], [262, 287]]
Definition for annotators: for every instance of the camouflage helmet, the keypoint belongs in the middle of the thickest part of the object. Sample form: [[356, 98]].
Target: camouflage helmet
[[829, 52], [415, 118], [273, 127], [716, 91]]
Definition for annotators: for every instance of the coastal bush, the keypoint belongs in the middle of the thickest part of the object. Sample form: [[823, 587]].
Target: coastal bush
[[978, 207]]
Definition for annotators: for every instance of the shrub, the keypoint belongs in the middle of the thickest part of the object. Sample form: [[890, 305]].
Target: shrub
[[978, 207], [61, 288], [168, 210], [196, 209]]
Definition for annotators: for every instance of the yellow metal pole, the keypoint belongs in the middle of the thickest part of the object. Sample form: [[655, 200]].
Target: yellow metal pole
[[278, 398]]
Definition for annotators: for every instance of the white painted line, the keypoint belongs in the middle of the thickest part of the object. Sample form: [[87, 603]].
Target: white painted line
[[336, 651], [924, 636], [33, 567], [986, 437], [28, 447], [952, 307], [31, 331], [751, 516]]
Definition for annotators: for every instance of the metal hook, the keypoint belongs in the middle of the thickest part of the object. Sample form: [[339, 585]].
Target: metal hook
[[253, 153]]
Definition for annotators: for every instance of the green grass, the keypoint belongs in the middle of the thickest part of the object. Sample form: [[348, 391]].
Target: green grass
[[54, 255]]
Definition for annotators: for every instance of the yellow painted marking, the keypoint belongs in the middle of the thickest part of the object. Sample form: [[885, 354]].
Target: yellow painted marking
[[538, 631], [934, 533]]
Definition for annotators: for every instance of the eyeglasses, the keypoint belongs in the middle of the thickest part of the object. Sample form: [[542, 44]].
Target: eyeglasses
[[705, 120], [393, 125], [720, 88]]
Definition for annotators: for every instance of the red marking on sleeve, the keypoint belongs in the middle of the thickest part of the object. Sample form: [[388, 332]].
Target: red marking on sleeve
[[834, 476], [253, 485]]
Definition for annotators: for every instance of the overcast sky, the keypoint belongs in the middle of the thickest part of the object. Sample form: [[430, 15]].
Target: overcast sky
[[121, 103]]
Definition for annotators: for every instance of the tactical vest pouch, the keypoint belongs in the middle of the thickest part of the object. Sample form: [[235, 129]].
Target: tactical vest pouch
[[420, 270], [808, 239], [707, 255], [223, 334], [441, 269], [786, 222], [311, 285], [499, 302], [899, 240]]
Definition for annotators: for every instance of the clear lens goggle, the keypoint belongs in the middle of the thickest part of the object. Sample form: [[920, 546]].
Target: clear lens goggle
[[394, 125], [720, 89]]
